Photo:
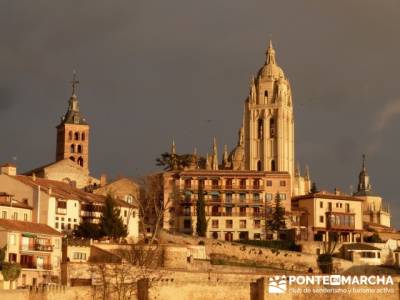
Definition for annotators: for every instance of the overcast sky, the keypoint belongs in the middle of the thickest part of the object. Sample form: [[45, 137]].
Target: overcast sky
[[154, 70]]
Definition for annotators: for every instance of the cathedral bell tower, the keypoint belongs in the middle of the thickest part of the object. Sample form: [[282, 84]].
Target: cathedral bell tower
[[73, 133], [268, 120]]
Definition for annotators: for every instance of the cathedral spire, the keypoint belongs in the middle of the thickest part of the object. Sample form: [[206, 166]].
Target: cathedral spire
[[270, 54], [225, 155], [173, 147], [307, 173], [363, 178], [215, 155]]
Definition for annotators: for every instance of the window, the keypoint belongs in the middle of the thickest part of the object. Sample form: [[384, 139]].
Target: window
[[74, 220], [214, 183], [70, 135], [268, 196], [273, 167], [242, 183], [187, 224], [256, 183], [242, 211], [62, 226], [282, 183], [256, 197], [80, 161], [13, 239], [271, 128], [337, 204], [321, 219], [242, 224], [242, 197], [330, 206], [125, 213], [83, 136], [214, 223], [321, 204], [229, 223], [80, 148], [69, 226], [79, 255], [228, 198], [56, 225], [228, 211], [76, 136], [347, 207], [25, 217], [228, 183], [260, 131], [15, 216], [282, 196], [257, 236], [265, 93], [257, 223], [259, 165], [72, 148], [61, 204], [4, 214], [269, 182], [69, 219], [188, 183], [12, 257]]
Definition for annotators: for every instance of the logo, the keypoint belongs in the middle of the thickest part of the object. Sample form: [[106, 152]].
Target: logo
[[277, 285]]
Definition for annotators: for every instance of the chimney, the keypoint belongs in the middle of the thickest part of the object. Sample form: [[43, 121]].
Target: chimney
[[103, 179], [8, 169], [33, 176], [337, 191]]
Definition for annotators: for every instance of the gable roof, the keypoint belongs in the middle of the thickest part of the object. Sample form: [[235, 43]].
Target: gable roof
[[64, 161], [28, 227], [64, 190]]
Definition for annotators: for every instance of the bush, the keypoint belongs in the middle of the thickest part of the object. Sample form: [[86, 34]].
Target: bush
[[375, 238], [278, 245], [325, 263], [10, 271]]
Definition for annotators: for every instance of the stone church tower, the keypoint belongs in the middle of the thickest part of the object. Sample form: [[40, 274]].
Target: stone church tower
[[268, 120], [73, 133]]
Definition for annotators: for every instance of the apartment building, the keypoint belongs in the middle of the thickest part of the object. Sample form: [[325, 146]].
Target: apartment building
[[11, 208], [36, 247], [323, 213], [237, 203]]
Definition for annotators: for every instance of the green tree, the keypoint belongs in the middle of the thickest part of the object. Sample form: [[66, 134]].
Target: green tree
[[111, 224], [278, 215], [201, 225], [314, 188], [10, 271], [88, 230], [177, 161], [375, 238]]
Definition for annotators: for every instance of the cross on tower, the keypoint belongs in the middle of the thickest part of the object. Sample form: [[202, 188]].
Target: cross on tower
[[74, 82]]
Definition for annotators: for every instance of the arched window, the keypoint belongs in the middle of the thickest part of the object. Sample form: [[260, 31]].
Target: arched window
[[72, 148], [272, 128], [70, 135], [72, 158], [83, 136], [80, 148], [76, 136], [259, 166], [266, 93], [273, 167], [80, 161], [260, 129]]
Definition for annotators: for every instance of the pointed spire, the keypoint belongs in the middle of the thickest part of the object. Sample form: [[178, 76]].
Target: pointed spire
[[215, 155], [208, 162], [307, 173], [270, 54], [173, 147], [225, 155], [363, 178], [241, 137], [297, 170]]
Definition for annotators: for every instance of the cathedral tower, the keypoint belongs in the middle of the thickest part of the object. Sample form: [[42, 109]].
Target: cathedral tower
[[268, 120], [73, 133]]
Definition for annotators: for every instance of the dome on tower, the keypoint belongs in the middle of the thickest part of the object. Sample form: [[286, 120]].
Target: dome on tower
[[270, 68]]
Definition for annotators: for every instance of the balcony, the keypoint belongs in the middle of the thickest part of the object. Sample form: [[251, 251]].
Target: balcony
[[340, 221], [36, 266], [61, 211], [37, 247]]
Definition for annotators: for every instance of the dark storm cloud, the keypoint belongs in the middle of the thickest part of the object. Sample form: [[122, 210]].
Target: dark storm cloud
[[154, 70]]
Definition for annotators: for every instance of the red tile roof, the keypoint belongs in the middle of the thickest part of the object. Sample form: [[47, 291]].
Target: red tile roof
[[327, 196], [64, 190], [28, 227]]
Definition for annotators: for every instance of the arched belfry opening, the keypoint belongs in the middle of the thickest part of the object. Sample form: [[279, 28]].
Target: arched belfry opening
[[259, 165], [80, 161], [260, 129], [272, 130]]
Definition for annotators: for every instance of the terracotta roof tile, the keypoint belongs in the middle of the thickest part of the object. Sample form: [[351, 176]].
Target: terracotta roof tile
[[30, 227]]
